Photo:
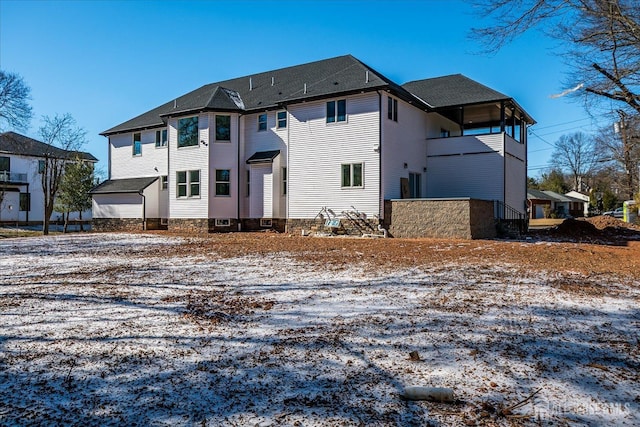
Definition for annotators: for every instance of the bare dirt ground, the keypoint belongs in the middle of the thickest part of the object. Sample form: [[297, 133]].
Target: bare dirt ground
[[266, 329]]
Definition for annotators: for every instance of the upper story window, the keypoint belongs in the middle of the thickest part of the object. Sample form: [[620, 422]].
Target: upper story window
[[392, 109], [165, 182], [223, 128], [161, 138], [5, 164], [281, 119], [41, 166], [137, 144], [337, 111], [188, 183], [352, 175], [223, 180], [188, 132], [262, 122]]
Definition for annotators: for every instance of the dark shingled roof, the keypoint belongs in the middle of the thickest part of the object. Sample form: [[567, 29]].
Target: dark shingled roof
[[263, 156], [537, 194], [127, 185], [272, 89], [453, 90], [14, 143]]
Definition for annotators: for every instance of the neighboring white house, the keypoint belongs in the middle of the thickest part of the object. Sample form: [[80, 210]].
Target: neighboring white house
[[21, 196], [275, 148]]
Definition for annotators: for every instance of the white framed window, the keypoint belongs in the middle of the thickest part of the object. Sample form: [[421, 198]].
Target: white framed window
[[137, 144], [353, 175], [392, 109], [188, 183], [223, 222], [223, 128], [337, 111], [266, 223], [164, 179], [281, 119], [223, 182], [188, 132], [415, 185], [262, 122], [161, 138], [283, 176]]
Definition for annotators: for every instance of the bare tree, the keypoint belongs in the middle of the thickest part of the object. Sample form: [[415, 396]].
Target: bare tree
[[600, 40], [576, 154], [14, 95], [621, 147], [65, 139]]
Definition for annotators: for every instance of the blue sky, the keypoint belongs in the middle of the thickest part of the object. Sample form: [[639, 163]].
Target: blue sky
[[108, 61]]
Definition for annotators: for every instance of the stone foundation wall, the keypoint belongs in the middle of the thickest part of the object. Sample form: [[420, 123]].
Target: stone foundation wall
[[253, 224], [440, 218], [116, 224], [347, 227], [189, 225]]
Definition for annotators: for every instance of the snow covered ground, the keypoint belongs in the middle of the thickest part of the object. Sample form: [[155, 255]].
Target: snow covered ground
[[121, 329]]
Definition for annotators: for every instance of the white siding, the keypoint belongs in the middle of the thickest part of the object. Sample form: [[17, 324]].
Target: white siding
[[186, 159], [267, 201], [515, 174], [258, 189], [255, 141], [318, 149], [123, 164], [117, 206], [223, 155], [468, 166], [403, 142], [152, 200]]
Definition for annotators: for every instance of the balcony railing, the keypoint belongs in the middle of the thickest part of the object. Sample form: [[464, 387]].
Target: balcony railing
[[6, 176]]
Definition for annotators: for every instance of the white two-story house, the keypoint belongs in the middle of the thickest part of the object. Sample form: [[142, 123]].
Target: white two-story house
[[286, 147], [21, 165]]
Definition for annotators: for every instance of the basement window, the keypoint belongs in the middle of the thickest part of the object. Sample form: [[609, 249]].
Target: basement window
[[223, 222]]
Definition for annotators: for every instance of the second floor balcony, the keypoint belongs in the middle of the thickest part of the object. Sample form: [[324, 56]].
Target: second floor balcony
[[13, 178]]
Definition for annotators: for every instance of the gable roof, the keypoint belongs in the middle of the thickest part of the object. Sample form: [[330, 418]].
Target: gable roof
[[127, 185], [537, 194], [14, 143], [272, 89]]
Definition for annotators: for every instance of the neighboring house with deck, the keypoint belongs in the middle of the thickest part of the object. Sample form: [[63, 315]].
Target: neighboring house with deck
[[21, 163], [285, 147]]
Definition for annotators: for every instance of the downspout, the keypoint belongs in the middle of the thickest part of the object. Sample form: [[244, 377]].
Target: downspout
[[380, 189], [286, 200], [144, 210], [238, 189], [380, 186]]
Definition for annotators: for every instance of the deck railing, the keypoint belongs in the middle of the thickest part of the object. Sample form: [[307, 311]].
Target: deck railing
[[510, 220], [6, 176]]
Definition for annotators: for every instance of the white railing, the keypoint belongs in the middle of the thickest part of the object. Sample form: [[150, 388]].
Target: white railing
[[6, 176]]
